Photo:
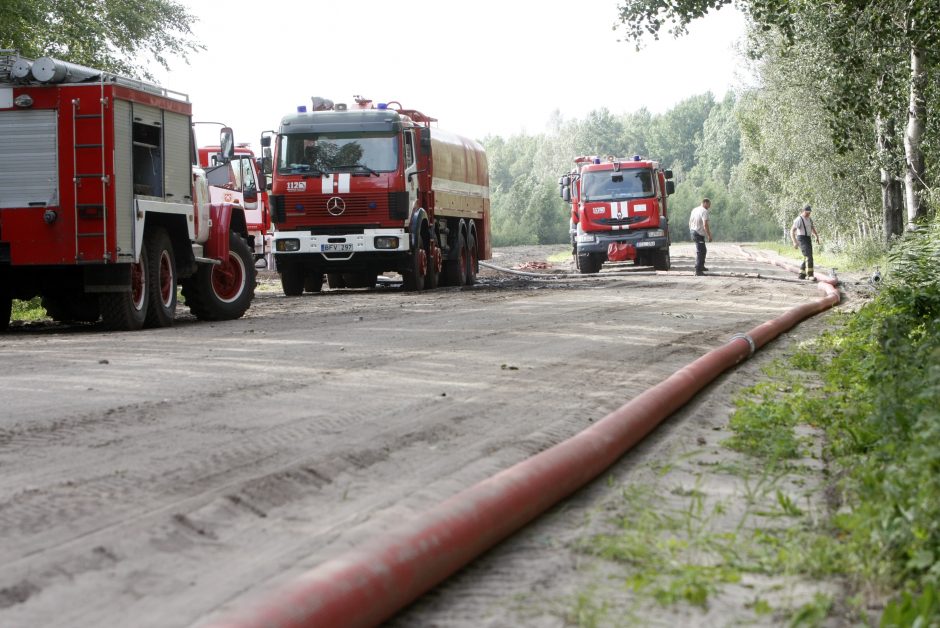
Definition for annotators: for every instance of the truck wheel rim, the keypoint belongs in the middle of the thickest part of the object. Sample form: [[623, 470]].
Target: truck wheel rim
[[422, 262], [166, 279], [228, 278], [138, 285]]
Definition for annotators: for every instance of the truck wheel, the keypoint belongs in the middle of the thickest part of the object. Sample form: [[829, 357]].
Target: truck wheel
[[590, 263], [313, 282], [66, 307], [435, 268], [472, 262], [360, 280], [413, 276], [127, 311], [161, 280], [223, 292], [292, 279], [335, 281], [6, 304], [662, 260], [455, 270]]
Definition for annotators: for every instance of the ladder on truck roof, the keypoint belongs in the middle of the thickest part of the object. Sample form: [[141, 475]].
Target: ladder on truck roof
[[90, 188]]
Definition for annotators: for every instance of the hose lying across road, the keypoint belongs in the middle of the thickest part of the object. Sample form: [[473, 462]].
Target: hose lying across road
[[370, 583]]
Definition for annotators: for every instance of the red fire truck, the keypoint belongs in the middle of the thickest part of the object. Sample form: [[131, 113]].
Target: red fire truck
[[618, 211], [241, 182], [361, 191], [102, 208]]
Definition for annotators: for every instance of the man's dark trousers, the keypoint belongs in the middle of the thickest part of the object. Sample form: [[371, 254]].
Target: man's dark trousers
[[700, 251], [806, 248]]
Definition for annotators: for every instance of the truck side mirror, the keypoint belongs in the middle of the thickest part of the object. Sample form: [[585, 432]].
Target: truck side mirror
[[667, 174], [265, 140], [670, 187], [266, 161], [227, 143], [566, 194], [425, 141]]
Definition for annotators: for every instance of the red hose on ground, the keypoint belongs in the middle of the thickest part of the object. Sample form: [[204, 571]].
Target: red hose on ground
[[369, 584]]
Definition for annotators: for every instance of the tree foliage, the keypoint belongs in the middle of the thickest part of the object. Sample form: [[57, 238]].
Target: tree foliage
[[867, 69], [121, 36]]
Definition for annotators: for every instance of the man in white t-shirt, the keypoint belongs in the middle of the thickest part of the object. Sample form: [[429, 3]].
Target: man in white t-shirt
[[800, 235], [699, 229]]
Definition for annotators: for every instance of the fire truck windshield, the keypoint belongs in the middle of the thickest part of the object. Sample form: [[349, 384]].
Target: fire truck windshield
[[310, 152], [608, 185]]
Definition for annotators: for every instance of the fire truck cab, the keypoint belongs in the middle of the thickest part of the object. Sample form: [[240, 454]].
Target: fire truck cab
[[618, 211], [103, 210]]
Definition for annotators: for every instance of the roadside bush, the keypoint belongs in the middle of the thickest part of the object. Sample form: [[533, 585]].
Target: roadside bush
[[879, 404]]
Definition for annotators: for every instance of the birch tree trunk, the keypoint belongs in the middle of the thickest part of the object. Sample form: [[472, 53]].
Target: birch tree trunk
[[892, 191], [913, 138]]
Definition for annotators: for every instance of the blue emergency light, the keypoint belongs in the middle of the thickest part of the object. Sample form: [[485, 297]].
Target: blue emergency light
[[301, 108], [382, 105], [636, 158]]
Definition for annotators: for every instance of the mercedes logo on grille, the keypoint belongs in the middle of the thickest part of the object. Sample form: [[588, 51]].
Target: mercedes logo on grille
[[335, 206]]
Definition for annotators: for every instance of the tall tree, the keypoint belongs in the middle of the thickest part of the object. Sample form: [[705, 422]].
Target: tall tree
[[860, 42], [120, 36]]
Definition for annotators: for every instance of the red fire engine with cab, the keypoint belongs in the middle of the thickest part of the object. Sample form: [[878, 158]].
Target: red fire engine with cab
[[240, 181], [102, 208], [358, 192], [618, 211]]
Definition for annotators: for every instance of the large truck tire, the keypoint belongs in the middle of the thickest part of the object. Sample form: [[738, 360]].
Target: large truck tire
[[413, 275], [455, 270], [590, 264], [6, 302], [67, 308], [223, 292], [127, 311], [364, 279], [161, 279], [661, 259], [313, 282], [293, 277], [472, 261]]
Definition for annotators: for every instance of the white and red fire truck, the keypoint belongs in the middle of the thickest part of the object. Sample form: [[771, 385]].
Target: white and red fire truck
[[360, 191], [241, 182], [618, 211], [103, 210]]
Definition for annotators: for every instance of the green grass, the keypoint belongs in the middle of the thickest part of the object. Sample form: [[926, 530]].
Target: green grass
[[865, 255], [27, 310]]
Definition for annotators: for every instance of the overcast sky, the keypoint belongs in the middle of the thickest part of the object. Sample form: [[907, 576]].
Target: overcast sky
[[481, 67]]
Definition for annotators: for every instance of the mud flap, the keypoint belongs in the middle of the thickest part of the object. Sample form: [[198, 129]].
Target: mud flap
[[220, 219], [620, 252]]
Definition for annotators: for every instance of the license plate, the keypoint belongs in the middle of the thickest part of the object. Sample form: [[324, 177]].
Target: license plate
[[346, 247], [648, 243]]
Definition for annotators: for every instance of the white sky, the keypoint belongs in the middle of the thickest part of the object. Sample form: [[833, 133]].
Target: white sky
[[481, 67]]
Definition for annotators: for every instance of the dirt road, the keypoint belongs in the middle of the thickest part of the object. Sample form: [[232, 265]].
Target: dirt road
[[161, 478]]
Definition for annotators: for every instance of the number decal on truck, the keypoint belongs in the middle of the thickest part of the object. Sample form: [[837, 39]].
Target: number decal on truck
[[296, 186]]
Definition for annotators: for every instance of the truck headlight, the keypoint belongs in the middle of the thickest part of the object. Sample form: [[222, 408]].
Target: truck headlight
[[655, 233], [287, 245], [386, 242]]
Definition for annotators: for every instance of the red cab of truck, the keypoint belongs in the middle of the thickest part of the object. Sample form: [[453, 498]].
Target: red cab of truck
[[618, 211], [241, 182]]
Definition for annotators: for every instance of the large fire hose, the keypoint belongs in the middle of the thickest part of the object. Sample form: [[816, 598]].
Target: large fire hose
[[372, 582]]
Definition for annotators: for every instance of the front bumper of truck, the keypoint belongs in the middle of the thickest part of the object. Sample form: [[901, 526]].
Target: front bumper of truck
[[643, 239]]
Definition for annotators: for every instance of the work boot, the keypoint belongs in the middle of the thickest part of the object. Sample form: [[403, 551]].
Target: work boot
[[700, 272], [802, 276]]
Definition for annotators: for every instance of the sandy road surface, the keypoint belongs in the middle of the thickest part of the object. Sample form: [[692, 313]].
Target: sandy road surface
[[163, 478]]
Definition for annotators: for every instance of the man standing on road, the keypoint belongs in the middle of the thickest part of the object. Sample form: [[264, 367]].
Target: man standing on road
[[699, 230], [800, 235]]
